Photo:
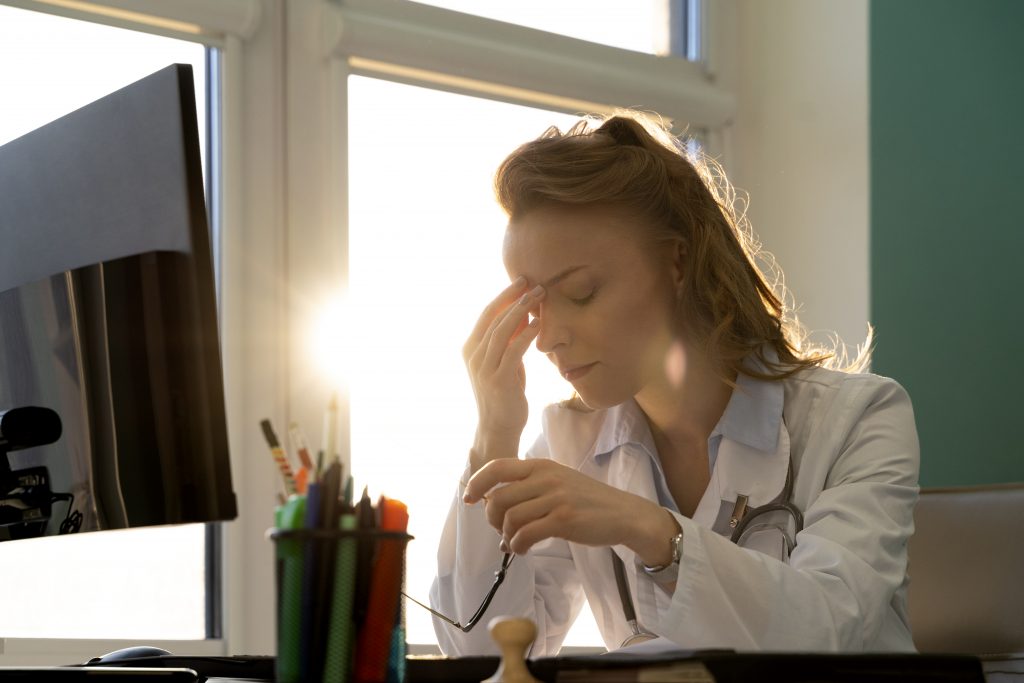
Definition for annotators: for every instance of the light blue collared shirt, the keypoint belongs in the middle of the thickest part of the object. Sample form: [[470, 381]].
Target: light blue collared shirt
[[752, 417]]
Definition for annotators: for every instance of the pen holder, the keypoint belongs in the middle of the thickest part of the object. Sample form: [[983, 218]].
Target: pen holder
[[340, 618]]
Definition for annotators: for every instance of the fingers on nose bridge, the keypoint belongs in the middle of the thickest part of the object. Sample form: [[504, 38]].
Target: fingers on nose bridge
[[552, 330]]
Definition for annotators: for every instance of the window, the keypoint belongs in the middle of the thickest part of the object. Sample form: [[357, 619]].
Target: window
[[145, 583], [303, 206], [425, 133], [422, 269]]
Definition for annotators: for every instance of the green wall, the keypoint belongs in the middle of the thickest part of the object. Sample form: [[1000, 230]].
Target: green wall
[[947, 233]]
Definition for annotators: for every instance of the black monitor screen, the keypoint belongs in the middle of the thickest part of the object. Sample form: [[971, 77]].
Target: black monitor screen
[[108, 318]]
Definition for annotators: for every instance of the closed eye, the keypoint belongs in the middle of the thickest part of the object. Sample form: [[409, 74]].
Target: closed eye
[[583, 301]]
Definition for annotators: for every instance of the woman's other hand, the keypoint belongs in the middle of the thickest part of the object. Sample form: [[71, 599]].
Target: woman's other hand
[[528, 501], [494, 358]]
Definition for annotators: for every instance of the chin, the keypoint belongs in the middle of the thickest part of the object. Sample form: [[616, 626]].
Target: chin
[[601, 400]]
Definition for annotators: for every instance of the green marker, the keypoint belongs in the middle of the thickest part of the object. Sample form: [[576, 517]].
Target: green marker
[[341, 630], [289, 625]]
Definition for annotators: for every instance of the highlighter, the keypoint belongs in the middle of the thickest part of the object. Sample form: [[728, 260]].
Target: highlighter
[[341, 629], [289, 555]]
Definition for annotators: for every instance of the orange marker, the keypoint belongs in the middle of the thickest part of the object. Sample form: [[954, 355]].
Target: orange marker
[[374, 646], [298, 440]]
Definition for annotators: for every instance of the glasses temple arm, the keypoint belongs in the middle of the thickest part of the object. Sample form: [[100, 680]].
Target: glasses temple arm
[[499, 577]]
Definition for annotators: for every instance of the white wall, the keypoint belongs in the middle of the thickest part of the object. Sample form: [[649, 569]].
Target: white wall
[[799, 147]]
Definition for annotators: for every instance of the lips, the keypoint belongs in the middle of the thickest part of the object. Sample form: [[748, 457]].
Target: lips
[[574, 372]]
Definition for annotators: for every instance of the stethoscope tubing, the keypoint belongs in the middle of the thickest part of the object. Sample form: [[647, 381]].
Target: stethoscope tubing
[[781, 503], [628, 608]]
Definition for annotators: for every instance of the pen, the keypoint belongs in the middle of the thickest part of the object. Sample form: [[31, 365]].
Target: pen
[[279, 456], [367, 522], [326, 551], [308, 665], [347, 497], [300, 445]]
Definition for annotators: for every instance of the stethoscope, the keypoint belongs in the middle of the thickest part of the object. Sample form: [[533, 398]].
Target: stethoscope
[[740, 522], [638, 634]]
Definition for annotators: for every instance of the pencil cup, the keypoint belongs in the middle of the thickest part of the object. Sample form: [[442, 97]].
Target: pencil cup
[[340, 618]]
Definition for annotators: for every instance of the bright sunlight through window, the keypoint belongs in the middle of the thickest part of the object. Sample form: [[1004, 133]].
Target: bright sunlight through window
[[146, 583], [425, 257]]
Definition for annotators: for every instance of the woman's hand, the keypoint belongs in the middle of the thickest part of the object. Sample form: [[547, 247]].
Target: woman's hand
[[528, 501], [494, 358]]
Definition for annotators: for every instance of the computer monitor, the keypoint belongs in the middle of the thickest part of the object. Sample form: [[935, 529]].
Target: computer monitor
[[108, 317]]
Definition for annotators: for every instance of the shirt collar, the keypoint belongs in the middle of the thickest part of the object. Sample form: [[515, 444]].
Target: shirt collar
[[625, 423], [752, 417]]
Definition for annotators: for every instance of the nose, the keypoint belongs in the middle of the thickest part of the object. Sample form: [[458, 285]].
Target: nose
[[553, 331]]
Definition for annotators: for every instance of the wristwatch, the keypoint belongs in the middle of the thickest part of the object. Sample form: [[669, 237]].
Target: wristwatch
[[667, 572]]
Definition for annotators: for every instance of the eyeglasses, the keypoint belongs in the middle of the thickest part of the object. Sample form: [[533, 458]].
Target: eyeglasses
[[499, 576]]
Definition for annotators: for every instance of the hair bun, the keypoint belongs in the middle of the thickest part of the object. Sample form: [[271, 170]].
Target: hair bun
[[624, 131]]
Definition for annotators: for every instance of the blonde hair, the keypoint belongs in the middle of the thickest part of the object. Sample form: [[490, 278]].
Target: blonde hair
[[727, 304]]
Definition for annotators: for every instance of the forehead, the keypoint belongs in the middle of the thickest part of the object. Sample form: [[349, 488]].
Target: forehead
[[547, 240]]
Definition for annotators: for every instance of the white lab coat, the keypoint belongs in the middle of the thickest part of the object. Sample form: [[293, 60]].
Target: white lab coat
[[854, 451]]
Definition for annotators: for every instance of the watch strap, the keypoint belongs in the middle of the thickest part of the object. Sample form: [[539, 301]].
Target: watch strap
[[670, 570]]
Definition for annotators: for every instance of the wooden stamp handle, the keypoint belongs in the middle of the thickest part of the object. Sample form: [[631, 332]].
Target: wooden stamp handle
[[513, 635]]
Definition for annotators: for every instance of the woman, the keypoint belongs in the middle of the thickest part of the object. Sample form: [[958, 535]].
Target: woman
[[750, 497]]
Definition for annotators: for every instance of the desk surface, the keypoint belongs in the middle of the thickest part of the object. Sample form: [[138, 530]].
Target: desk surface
[[715, 666], [720, 667]]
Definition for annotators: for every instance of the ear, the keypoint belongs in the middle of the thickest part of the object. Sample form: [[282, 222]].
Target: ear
[[679, 263]]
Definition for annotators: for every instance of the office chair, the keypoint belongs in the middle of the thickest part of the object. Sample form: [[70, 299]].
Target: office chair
[[966, 569]]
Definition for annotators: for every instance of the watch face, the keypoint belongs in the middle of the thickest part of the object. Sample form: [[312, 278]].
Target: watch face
[[677, 548]]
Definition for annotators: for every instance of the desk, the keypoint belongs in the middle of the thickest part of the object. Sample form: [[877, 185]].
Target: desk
[[720, 667], [1003, 668], [705, 666]]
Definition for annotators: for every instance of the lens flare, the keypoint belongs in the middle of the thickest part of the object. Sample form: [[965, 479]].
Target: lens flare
[[331, 341]]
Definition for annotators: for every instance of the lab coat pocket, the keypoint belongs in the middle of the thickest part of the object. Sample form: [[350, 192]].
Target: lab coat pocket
[[771, 534]]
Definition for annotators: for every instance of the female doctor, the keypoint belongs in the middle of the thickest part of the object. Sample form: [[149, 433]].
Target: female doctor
[[711, 482]]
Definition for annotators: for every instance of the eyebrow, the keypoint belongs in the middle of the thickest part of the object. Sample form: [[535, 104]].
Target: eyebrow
[[561, 276]]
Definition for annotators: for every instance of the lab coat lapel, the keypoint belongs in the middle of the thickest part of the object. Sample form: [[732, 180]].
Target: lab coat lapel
[[742, 469]]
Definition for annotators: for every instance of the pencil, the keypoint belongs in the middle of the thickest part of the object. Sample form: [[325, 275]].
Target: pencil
[[330, 435], [299, 444], [279, 456]]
